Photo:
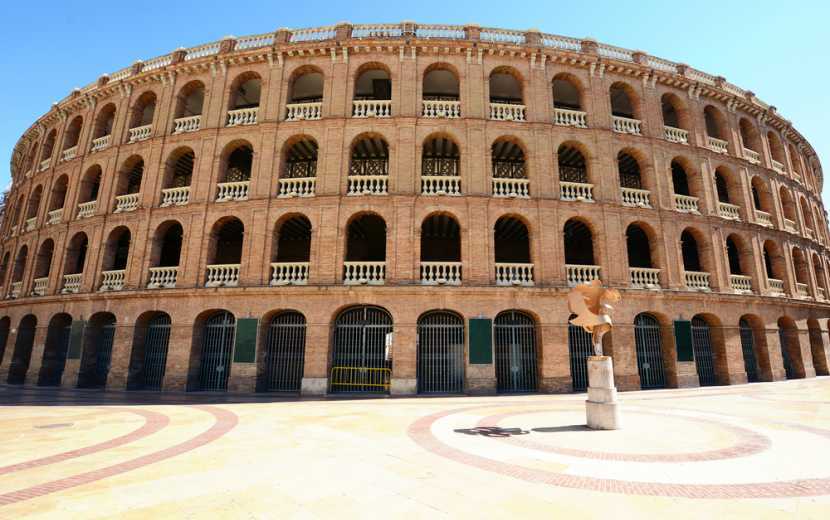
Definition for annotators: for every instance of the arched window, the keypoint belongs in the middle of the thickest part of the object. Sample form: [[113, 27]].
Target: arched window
[[566, 93], [690, 253], [365, 250], [48, 149], [674, 118], [245, 91], [774, 265], [178, 175], [141, 118], [440, 250], [440, 167], [440, 92], [807, 215], [238, 164], [372, 92], [511, 241], [795, 160], [721, 186], [369, 166], [750, 138], [818, 269], [788, 206], [715, 123], [165, 256], [20, 265], [580, 262], [103, 127], [505, 86], [117, 249], [623, 101], [760, 195], [70, 138], [733, 256], [129, 184], [225, 253], [680, 180], [572, 165], [34, 203], [305, 97], [76, 254], [299, 159], [43, 266], [685, 200], [90, 185], [189, 106], [292, 251], [640, 262], [629, 171], [58, 198], [779, 158], [802, 274], [508, 169]]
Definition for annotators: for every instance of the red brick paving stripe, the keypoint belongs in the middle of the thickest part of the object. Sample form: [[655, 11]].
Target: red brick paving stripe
[[750, 443], [153, 422], [420, 432], [225, 421]]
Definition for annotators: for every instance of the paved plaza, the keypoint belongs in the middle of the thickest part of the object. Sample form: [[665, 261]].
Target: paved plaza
[[752, 451]]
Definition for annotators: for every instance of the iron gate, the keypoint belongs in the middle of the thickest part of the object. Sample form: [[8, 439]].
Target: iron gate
[[156, 342], [217, 347], [285, 352], [785, 352], [22, 354], [515, 352], [649, 351], [54, 355], [440, 353], [359, 360], [580, 347], [748, 348], [103, 353], [702, 346]]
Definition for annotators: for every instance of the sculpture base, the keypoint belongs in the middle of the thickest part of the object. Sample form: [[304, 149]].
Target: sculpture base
[[601, 408]]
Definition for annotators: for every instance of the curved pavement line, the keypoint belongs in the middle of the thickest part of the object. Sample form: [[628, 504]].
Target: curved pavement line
[[225, 421]]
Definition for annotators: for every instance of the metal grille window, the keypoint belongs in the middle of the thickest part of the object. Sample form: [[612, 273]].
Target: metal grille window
[[748, 348], [155, 351], [649, 352], [440, 157], [217, 347], [704, 358], [440, 353], [359, 358], [515, 352], [285, 352], [369, 167], [580, 348]]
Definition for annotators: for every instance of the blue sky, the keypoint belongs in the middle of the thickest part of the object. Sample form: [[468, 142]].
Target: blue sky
[[777, 49]]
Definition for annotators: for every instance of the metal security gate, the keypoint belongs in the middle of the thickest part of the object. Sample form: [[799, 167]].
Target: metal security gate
[[783, 339], [22, 354], [649, 352], [748, 348], [103, 353], [359, 357], [515, 352], [155, 351], [580, 347], [440, 353], [54, 355], [704, 358], [285, 352], [217, 348]]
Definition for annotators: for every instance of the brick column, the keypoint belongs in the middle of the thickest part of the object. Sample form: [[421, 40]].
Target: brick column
[[122, 345], [554, 359], [315, 364], [36, 359], [621, 346], [776, 362], [734, 362], [404, 359], [178, 356]]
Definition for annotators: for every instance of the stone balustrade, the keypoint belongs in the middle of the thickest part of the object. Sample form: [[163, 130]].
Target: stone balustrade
[[222, 275], [752, 156], [441, 109], [15, 288], [297, 187], [790, 226], [71, 283], [242, 116], [139, 133], [505, 187], [676, 135], [40, 286], [54, 217], [821, 294], [777, 166], [441, 185], [112, 280], [729, 211], [808, 231], [625, 125], [175, 196], [125, 203], [368, 185], [741, 284], [441, 273], [644, 278], [776, 287], [183, 125], [360, 273], [304, 111], [508, 112], [635, 198], [44, 164], [697, 281], [579, 274], [372, 108], [717, 145], [227, 191], [87, 209], [30, 224], [514, 274], [763, 218], [69, 153], [802, 290], [100, 143], [565, 117], [289, 273], [163, 277], [576, 191], [686, 204]]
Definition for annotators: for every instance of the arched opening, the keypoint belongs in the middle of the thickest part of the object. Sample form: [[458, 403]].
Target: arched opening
[[629, 171], [31, 156], [802, 273], [790, 348], [440, 92], [34, 204], [90, 185], [680, 180], [715, 123], [774, 266], [440, 250], [721, 186], [505, 86], [373, 83], [515, 349], [189, 103], [580, 348], [360, 361], [369, 166], [58, 198], [103, 125], [48, 149], [148, 358], [306, 87], [245, 91], [96, 356], [43, 266], [703, 352], [795, 160], [508, 160], [226, 241], [117, 250], [178, 175], [749, 136], [733, 256], [675, 116], [566, 93], [640, 260], [281, 368], [440, 159], [779, 157], [817, 350], [299, 167], [22, 354], [73, 133], [440, 368], [216, 337], [4, 268], [690, 253], [821, 281], [165, 255], [807, 215], [788, 206], [292, 251], [365, 250], [511, 241], [648, 345], [573, 168], [761, 197], [55, 350], [129, 184], [142, 114], [238, 162], [580, 262], [20, 266], [623, 101]]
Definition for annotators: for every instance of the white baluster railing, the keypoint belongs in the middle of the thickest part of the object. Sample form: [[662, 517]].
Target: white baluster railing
[[44, 164], [752, 156], [112, 280], [242, 116], [686, 204], [30, 224], [729, 211], [187, 124], [289, 273], [801, 289], [507, 112], [697, 281], [776, 287], [163, 277], [441, 109], [644, 278], [624, 125], [368, 185], [69, 153], [222, 275], [519, 188], [635, 198], [577, 191], [577, 274], [54, 217], [140, 133], [777, 166], [125, 203], [175, 196], [565, 117], [71, 283], [15, 288], [100, 143], [789, 225], [676, 135], [717, 145], [297, 187], [87, 209], [740, 283], [821, 293], [357, 273], [39, 286], [514, 274], [441, 273], [226, 191], [304, 111], [441, 185], [372, 108], [763, 218]]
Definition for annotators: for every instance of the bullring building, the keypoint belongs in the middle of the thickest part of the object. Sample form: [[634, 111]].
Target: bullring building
[[402, 209]]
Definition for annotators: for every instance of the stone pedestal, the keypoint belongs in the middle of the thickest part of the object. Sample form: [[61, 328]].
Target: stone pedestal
[[601, 407]]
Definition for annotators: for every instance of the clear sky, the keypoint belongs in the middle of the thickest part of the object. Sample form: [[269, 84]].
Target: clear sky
[[779, 50]]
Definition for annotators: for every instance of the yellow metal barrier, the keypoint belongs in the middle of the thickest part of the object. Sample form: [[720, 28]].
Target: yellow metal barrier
[[361, 377]]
